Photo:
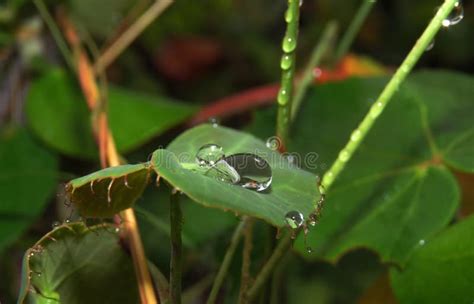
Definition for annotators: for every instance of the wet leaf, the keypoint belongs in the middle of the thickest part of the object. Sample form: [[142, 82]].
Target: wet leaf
[[78, 264], [28, 176], [107, 192], [291, 188], [397, 189], [59, 116], [440, 271]]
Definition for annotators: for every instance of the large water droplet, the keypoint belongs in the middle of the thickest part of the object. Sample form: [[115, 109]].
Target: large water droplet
[[254, 172], [456, 15], [421, 242], [209, 155], [285, 62], [283, 97], [289, 44], [294, 219]]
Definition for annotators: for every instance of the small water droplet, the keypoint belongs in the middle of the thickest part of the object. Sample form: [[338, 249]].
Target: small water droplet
[[355, 136], [294, 219], [421, 242], [456, 15], [283, 97], [209, 155], [214, 122], [253, 171], [376, 109], [273, 143], [309, 250], [117, 229], [313, 219], [285, 62], [430, 46], [55, 224], [67, 221], [289, 44], [344, 155], [31, 254], [288, 15]]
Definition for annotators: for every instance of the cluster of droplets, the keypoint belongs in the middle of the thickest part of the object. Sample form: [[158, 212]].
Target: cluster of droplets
[[288, 46], [295, 219], [244, 169], [456, 16]]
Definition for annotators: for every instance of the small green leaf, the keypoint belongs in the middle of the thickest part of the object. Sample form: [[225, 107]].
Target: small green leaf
[[107, 192], [78, 264], [291, 188], [440, 269], [58, 114], [28, 176]]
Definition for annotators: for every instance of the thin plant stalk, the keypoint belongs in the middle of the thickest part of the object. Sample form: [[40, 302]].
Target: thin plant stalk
[[55, 32], [353, 29], [176, 223], [269, 266], [229, 254], [110, 54], [246, 261], [390, 89], [288, 61], [317, 54]]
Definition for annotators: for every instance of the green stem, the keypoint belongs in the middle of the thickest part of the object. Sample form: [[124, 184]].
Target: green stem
[[53, 28], [288, 60], [267, 269], [353, 29], [246, 261], [224, 268], [317, 54], [176, 222], [392, 86]]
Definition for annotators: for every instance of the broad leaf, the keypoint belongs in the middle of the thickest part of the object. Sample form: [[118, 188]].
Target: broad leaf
[[440, 270], [108, 191], [291, 188], [28, 176], [396, 189], [78, 264], [58, 114]]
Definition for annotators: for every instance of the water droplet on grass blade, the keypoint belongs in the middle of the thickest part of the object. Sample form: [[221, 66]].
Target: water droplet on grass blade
[[254, 172], [209, 155], [283, 97], [430, 46], [456, 15], [289, 44], [288, 15], [285, 62], [294, 219]]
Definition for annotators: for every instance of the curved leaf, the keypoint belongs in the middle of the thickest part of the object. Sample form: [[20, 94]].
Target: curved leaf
[[28, 176], [440, 270], [291, 188], [78, 264], [107, 192]]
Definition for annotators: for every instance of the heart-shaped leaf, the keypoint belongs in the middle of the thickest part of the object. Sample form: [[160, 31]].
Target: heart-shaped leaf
[[396, 190], [78, 264], [440, 270], [59, 116], [28, 176], [108, 191], [291, 188]]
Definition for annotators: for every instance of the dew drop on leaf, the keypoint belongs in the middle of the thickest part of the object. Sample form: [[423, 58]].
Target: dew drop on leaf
[[209, 155], [255, 173], [294, 219]]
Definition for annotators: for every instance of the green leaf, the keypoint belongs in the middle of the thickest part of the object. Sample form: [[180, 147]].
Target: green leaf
[[58, 115], [396, 190], [107, 192], [28, 176], [291, 188], [440, 270], [78, 264]]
